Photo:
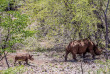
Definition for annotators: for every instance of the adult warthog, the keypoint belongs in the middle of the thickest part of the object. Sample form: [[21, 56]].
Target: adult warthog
[[82, 47]]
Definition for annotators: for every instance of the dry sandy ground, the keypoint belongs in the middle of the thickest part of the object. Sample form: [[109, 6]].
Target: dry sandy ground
[[52, 62]]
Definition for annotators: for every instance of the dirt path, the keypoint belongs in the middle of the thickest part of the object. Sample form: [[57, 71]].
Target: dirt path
[[53, 63]]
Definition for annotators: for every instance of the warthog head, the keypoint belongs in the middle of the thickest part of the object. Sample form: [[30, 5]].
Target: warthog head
[[98, 51], [31, 58]]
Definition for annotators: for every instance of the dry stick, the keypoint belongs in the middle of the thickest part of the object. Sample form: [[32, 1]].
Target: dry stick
[[3, 56], [82, 67]]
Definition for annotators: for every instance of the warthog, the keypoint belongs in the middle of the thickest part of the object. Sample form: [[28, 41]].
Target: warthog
[[82, 47], [23, 57]]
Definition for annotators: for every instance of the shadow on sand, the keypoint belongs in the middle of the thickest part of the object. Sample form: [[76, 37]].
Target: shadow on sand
[[85, 60]]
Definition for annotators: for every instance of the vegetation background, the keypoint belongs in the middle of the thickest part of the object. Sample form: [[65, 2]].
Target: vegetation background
[[39, 25]]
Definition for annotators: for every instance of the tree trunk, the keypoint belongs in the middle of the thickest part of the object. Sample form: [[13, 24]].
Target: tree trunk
[[4, 47], [106, 24], [5, 56]]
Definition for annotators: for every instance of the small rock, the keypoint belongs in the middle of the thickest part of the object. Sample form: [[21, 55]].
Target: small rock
[[93, 66]]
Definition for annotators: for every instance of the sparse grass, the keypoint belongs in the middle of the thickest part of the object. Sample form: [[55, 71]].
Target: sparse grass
[[104, 67], [14, 70], [55, 64], [42, 49], [10, 60]]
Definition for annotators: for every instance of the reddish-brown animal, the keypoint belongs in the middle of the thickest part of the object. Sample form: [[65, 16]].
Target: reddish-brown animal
[[81, 47], [23, 57]]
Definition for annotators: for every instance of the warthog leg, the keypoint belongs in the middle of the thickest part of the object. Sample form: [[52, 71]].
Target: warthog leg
[[67, 52], [15, 62], [74, 56], [93, 54], [20, 62], [84, 55], [26, 61]]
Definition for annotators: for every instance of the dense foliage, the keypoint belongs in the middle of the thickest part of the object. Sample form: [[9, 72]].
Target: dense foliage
[[62, 21], [67, 20], [56, 20], [13, 26]]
